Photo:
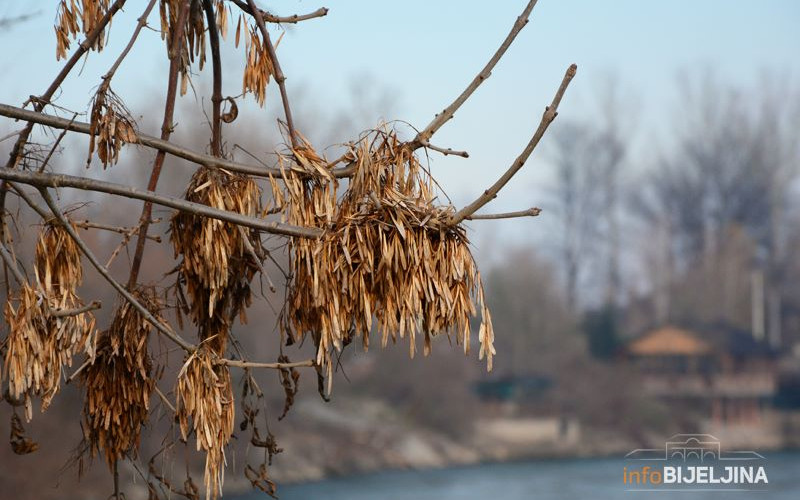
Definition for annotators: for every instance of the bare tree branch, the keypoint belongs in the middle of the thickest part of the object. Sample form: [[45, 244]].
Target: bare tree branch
[[276, 366], [70, 181], [87, 224], [62, 313], [442, 118], [164, 399], [142, 21], [216, 96], [8, 259], [161, 145], [549, 115], [445, 151], [294, 19], [531, 212]]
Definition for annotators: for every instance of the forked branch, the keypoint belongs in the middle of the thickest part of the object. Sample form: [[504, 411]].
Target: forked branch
[[425, 135], [549, 115], [294, 19]]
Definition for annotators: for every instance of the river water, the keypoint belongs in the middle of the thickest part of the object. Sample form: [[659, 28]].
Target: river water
[[595, 479]]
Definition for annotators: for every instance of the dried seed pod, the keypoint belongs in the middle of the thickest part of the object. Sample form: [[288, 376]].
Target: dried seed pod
[[41, 343], [218, 257], [204, 395], [119, 382], [194, 36], [90, 13], [258, 64], [58, 268], [388, 253], [111, 126], [28, 360], [57, 261]]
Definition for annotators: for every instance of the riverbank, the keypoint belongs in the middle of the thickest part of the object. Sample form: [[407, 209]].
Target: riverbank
[[362, 436]]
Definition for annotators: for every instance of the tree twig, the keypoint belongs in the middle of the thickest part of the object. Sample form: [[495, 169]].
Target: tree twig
[[531, 212], [294, 19], [164, 399], [55, 145], [549, 115], [276, 366], [448, 112], [87, 224], [444, 151], [87, 184], [277, 72], [142, 21], [62, 313], [12, 264], [77, 372], [216, 95]]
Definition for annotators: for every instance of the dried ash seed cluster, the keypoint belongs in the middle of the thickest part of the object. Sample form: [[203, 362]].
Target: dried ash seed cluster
[[40, 340]]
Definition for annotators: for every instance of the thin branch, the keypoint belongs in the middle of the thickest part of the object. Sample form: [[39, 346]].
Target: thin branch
[[12, 264], [62, 313], [270, 18], [276, 366], [142, 21], [26, 197], [166, 130], [216, 95], [107, 276], [164, 398], [55, 145], [442, 118], [9, 136], [86, 224], [165, 146], [444, 151], [126, 238], [86, 184], [531, 212], [77, 372], [276, 69], [550, 113]]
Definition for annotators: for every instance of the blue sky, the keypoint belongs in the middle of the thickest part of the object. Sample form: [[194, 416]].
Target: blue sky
[[422, 54]]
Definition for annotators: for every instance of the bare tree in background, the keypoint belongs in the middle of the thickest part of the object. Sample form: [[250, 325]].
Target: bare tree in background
[[377, 252], [588, 159], [724, 187]]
